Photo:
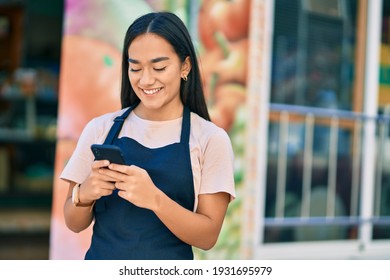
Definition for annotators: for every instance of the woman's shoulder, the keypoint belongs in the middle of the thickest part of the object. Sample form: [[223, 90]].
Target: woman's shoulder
[[102, 123], [207, 130]]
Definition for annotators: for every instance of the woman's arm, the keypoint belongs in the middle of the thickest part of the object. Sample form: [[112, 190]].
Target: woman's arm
[[200, 229], [78, 218]]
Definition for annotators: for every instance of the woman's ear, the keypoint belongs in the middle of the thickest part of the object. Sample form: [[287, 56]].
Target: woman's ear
[[186, 66]]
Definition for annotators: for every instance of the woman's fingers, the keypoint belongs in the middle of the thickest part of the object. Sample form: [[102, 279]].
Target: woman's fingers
[[97, 164]]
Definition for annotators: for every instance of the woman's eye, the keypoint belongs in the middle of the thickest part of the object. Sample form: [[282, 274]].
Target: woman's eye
[[160, 69], [135, 70]]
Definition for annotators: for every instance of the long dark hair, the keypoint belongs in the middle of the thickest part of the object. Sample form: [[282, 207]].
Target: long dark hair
[[171, 28]]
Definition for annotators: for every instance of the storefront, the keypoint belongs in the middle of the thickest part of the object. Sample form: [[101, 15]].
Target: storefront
[[321, 190], [29, 74]]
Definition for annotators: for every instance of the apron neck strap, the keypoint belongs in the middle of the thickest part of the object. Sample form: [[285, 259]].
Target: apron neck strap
[[117, 126], [186, 126]]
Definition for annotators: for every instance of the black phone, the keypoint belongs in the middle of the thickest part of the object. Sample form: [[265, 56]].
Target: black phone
[[111, 153]]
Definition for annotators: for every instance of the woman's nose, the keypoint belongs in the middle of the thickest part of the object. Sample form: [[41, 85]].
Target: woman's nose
[[146, 78]]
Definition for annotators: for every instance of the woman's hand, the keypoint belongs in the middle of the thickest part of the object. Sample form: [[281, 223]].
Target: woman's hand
[[134, 184], [97, 184]]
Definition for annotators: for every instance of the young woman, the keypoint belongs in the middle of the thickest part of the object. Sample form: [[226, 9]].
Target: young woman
[[177, 182]]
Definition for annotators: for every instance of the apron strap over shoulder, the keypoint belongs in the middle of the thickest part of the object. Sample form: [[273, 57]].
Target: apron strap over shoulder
[[186, 126], [117, 126]]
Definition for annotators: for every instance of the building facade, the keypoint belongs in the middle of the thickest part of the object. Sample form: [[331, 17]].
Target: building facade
[[317, 173]]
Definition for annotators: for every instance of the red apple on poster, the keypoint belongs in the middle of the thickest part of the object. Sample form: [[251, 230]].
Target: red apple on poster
[[229, 17]]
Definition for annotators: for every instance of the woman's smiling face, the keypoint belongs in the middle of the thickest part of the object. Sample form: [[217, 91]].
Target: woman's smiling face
[[155, 72]]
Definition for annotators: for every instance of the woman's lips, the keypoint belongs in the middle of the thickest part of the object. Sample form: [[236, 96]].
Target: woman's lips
[[151, 91]]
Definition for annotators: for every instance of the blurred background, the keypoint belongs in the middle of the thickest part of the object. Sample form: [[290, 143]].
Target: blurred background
[[301, 86]]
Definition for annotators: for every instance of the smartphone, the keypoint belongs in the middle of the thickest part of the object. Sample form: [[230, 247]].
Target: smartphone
[[111, 153]]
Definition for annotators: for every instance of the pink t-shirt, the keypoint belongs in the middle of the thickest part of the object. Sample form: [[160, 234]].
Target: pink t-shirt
[[210, 147]]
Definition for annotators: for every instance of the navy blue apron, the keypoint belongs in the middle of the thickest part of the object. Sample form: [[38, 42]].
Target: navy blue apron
[[125, 231]]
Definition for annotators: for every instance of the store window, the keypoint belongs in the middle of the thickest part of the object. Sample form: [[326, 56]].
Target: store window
[[310, 170], [313, 53]]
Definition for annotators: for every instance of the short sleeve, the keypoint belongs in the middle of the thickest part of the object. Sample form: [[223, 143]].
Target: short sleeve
[[218, 167], [78, 167]]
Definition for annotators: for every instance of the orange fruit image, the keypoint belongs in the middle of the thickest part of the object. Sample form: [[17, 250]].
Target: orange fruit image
[[89, 83]]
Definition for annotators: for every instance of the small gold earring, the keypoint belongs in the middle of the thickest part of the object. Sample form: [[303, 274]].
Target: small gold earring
[[184, 78]]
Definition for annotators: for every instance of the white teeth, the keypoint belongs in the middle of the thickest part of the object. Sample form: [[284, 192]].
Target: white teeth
[[152, 91]]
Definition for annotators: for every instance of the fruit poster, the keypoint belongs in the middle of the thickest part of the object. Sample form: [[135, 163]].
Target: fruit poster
[[223, 34], [90, 86]]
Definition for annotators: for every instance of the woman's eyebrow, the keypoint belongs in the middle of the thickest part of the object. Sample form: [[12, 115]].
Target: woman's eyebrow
[[154, 60]]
